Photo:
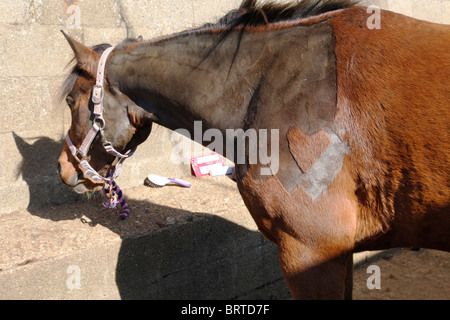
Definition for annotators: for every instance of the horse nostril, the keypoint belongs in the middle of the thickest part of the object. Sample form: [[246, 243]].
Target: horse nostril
[[59, 169]]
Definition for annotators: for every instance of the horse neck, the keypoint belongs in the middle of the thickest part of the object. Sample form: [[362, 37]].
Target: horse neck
[[184, 80], [221, 81]]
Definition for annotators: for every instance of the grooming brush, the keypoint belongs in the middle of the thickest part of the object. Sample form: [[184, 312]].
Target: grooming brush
[[155, 181]]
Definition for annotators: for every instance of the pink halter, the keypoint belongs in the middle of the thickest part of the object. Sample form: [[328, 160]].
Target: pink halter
[[80, 154]]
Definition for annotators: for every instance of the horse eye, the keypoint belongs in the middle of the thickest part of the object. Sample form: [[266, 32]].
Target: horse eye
[[70, 102]]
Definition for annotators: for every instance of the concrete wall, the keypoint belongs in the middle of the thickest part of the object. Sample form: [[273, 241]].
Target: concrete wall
[[33, 60]]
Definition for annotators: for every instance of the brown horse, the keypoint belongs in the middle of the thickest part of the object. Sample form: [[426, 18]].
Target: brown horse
[[360, 116]]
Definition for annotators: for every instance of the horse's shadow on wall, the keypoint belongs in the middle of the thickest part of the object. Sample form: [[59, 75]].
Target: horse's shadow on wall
[[203, 257], [38, 169]]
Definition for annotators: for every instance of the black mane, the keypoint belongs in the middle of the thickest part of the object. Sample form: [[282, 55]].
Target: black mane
[[253, 13], [257, 12]]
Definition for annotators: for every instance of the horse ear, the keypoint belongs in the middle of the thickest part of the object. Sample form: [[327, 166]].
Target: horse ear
[[87, 59]]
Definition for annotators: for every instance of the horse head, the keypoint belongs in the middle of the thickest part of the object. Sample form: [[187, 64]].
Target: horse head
[[122, 128]]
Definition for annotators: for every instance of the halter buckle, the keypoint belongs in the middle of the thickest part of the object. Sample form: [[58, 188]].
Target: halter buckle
[[98, 94]]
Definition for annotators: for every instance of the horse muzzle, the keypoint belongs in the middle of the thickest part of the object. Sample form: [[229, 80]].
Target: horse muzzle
[[74, 178]]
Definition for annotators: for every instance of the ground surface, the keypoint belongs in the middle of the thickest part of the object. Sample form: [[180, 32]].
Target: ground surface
[[42, 234], [407, 275]]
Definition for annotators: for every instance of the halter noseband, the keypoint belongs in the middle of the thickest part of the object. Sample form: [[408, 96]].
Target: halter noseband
[[99, 123]]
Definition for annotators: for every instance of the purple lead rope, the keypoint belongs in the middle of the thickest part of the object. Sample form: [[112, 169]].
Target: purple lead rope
[[115, 196]]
